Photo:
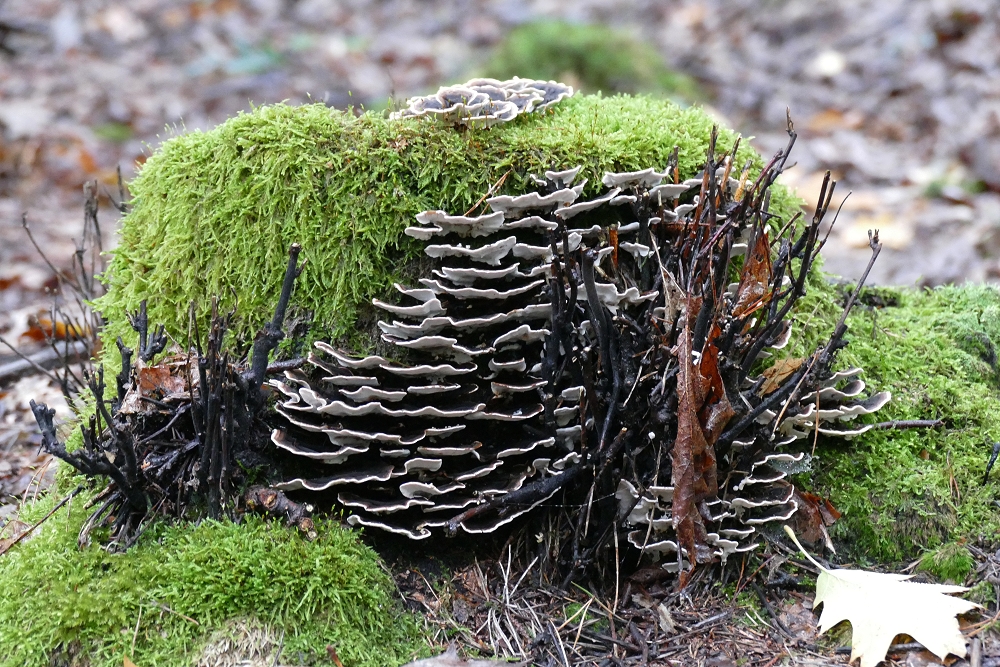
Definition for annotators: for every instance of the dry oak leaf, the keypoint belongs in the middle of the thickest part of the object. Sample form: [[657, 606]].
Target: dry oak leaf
[[778, 373], [880, 606]]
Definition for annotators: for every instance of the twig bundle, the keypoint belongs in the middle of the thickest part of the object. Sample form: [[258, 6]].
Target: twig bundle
[[183, 436]]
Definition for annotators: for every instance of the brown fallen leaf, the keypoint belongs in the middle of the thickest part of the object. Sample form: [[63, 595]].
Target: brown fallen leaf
[[752, 292], [776, 375], [826, 509], [716, 411], [880, 606], [828, 120], [694, 473], [897, 229], [331, 652], [813, 516], [800, 621], [41, 329], [17, 529], [157, 381]]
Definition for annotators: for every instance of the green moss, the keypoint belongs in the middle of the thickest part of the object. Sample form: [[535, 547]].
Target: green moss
[[577, 614], [331, 591], [746, 604], [951, 563], [214, 212], [984, 593], [903, 492], [592, 57]]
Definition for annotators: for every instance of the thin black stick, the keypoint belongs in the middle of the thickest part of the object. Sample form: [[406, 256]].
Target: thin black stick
[[273, 332], [528, 494], [909, 423], [993, 459]]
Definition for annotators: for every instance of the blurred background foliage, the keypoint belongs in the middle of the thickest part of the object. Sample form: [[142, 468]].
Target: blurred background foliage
[[592, 58]]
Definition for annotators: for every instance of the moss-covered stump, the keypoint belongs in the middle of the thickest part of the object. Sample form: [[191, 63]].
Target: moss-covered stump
[[164, 600], [214, 212], [213, 215]]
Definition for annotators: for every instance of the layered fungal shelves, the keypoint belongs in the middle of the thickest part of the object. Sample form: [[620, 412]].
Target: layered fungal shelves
[[611, 339], [485, 102]]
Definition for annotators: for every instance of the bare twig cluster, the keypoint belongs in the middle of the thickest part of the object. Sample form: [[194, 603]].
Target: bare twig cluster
[[71, 328], [180, 435]]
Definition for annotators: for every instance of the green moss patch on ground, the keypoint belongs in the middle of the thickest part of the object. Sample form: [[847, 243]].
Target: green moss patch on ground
[[60, 599], [904, 492], [591, 57], [214, 212]]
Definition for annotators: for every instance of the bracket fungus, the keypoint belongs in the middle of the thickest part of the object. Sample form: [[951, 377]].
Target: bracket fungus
[[607, 347], [485, 102], [573, 342]]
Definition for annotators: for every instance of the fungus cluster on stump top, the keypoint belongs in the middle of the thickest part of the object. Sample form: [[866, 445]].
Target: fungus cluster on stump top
[[485, 102]]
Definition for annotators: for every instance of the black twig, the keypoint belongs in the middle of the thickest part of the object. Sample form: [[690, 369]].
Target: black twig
[[909, 423], [272, 333], [993, 459]]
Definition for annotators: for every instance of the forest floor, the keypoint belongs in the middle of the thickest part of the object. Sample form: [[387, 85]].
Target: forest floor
[[899, 99]]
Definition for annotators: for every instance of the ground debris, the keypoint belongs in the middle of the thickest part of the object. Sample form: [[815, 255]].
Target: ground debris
[[500, 608], [450, 658]]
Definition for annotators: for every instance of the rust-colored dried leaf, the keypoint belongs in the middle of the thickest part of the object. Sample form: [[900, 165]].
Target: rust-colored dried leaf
[[157, 381], [807, 521], [716, 411], [88, 164], [776, 375], [694, 473], [813, 515], [754, 279], [825, 507], [14, 531], [331, 653], [613, 238], [42, 328]]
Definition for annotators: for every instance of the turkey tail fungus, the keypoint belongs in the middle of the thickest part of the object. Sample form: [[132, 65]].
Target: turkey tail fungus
[[600, 353], [605, 348]]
